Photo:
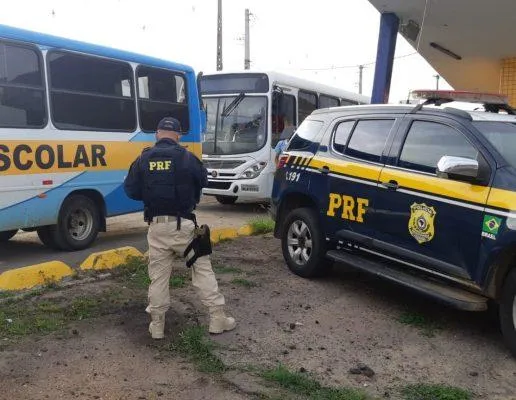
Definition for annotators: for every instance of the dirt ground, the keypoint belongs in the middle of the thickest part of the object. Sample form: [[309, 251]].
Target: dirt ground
[[325, 327]]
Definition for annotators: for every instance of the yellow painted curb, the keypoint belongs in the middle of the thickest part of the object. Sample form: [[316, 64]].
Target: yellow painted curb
[[216, 235], [34, 275], [246, 230], [110, 258]]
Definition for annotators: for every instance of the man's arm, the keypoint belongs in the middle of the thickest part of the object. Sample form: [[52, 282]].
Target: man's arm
[[200, 175], [133, 181]]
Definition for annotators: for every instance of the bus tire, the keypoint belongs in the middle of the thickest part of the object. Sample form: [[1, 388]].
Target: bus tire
[[77, 226], [5, 236], [227, 200], [508, 311]]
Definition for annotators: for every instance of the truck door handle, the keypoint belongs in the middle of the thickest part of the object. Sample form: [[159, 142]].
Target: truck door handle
[[324, 170], [391, 185]]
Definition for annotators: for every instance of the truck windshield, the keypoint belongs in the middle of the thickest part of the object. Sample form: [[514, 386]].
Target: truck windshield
[[235, 124], [502, 136]]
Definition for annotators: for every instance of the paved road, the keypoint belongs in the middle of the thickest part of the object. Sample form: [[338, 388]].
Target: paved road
[[128, 230]]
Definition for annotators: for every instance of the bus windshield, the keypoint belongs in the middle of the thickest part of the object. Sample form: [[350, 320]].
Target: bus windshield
[[235, 124]]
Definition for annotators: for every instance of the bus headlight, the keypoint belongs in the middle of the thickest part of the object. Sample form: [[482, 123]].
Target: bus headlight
[[253, 171]]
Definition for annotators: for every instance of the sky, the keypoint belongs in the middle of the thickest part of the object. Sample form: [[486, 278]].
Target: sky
[[324, 41]]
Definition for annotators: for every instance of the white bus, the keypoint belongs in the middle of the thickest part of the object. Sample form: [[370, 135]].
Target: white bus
[[245, 117]]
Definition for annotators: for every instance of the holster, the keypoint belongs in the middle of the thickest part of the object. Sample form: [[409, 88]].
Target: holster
[[200, 245]]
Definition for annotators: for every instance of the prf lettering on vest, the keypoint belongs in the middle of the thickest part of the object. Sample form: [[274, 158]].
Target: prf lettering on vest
[[353, 209], [159, 165]]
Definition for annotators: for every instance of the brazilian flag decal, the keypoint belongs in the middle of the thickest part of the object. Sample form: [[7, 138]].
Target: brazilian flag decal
[[491, 226]]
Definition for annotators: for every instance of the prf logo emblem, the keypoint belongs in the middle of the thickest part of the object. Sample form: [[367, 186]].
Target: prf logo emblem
[[421, 222]]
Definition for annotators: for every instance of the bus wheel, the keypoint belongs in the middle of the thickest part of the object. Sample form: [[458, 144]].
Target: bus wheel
[[508, 311], [226, 199], [6, 235], [77, 227]]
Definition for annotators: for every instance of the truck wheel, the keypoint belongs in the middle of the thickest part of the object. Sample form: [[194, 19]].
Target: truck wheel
[[6, 235], [303, 245], [227, 200], [508, 311], [77, 225]]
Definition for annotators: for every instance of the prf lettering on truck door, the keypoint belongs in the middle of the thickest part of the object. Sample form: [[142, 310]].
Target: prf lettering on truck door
[[347, 207]]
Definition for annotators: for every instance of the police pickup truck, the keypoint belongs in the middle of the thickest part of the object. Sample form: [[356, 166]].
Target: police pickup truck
[[422, 196]]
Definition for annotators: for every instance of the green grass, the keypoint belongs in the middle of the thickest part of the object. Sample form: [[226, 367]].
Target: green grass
[[177, 281], [260, 226], [428, 328], [222, 269], [6, 295], [434, 392], [243, 282], [303, 385], [22, 317], [198, 348], [134, 272]]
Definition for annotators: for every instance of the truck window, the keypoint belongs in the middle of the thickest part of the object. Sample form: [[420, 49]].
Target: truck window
[[368, 139], [305, 135], [427, 142]]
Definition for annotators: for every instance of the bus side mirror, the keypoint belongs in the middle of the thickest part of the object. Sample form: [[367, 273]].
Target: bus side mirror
[[199, 79]]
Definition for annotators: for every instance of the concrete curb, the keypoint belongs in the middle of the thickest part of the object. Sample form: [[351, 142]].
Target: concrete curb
[[34, 275], [54, 271]]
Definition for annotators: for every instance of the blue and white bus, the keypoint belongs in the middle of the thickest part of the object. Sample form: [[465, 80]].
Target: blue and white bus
[[73, 116], [246, 113]]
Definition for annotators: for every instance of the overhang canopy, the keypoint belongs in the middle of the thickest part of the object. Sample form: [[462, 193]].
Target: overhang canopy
[[465, 41]]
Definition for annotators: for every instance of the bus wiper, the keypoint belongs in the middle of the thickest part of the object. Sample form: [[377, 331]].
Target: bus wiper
[[233, 105]]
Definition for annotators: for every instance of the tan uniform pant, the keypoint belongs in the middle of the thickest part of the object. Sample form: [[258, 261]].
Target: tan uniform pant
[[165, 243]]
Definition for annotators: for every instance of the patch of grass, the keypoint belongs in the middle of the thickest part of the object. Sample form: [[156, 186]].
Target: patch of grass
[[222, 269], [302, 384], [6, 295], [428, 328], [260, 226], [434, 392], [177, 281], [30, 315], [83, 307], [243, 282], [198, 348], [134, 271]]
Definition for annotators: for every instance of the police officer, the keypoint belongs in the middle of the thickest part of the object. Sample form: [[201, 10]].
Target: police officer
[[169, 179]]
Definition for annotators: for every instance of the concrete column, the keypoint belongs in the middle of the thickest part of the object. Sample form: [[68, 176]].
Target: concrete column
[[389, 24]]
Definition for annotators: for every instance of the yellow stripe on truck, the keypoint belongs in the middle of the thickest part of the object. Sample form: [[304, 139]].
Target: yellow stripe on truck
[[31, 157], [360, 171], [460, 191], [441, 187]]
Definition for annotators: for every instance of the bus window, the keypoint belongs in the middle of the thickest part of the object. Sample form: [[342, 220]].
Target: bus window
[[283, 107], [307, 104], [161, 93], [91, 93], [328, 101], [346, 102], [22, 90]]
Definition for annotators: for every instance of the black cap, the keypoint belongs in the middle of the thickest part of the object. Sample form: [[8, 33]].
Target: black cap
[[169, 124]]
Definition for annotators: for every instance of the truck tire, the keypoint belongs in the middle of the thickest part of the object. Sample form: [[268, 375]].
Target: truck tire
[[5, 236], [303, 245], [508, 311], [77, 226], [227, 200]]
